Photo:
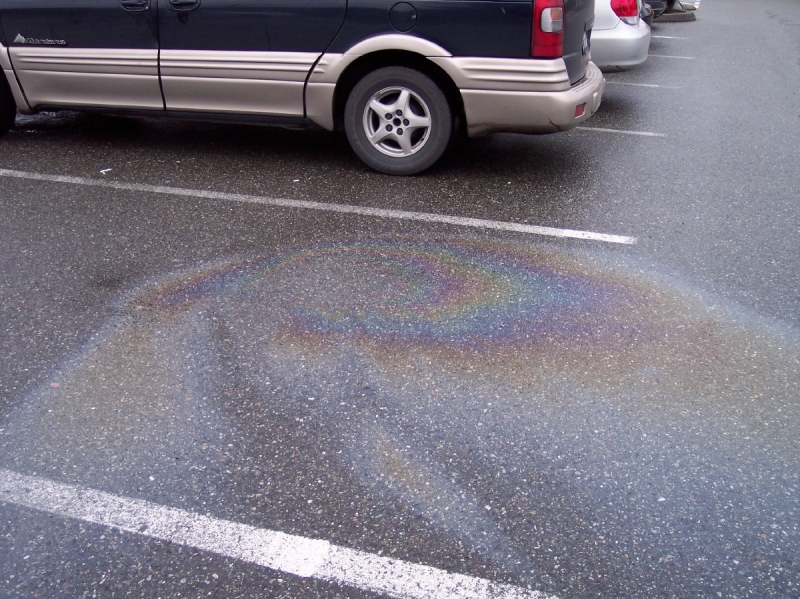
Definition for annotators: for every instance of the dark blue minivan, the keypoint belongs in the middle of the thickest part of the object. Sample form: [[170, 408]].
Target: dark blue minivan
[[398, 77]]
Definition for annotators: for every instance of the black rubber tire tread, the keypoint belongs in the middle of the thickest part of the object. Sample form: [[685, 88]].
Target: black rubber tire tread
[[426, 88], [8, 108]]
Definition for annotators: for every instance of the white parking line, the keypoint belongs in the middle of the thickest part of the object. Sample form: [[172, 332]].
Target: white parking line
[[300, 556], [622, 131], [668, 37], [458, 221], [665, 56], [653, 85]]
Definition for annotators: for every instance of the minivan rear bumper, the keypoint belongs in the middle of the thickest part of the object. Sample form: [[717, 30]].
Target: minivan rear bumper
[[492, 110]]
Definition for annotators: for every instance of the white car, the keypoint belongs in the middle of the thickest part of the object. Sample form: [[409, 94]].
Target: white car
[[620, 39]]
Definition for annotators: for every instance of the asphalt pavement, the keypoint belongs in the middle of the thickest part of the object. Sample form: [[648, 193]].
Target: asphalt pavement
[[238, 363]]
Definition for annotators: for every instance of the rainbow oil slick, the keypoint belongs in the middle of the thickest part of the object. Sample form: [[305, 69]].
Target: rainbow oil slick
[[512, 312], [408, 293], [497, 395]]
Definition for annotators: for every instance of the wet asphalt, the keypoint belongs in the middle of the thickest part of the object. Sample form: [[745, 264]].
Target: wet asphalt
[[581, 418]]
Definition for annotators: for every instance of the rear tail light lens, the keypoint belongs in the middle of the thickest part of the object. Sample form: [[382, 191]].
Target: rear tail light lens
[[626, 10], [553, 19], [547, 39]]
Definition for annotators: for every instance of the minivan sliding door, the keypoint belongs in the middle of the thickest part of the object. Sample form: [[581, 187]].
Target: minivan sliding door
[[247, 56], [85, 52]]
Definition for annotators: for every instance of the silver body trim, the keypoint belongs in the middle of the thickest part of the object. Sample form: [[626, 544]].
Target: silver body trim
[[331, 66], [319, 104], [506, 74], [72, 60], [11, 77], [490, 111], [499, 94], [235, 82], [88, 77], [5, 60]]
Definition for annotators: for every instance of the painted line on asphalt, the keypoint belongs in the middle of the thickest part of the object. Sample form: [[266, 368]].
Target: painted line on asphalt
[[458, 221], [622, 131], [292, 554], [653, 85], [668, 37], [665, 56]]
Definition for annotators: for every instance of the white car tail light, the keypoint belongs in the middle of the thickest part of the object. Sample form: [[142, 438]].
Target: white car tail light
[[626, 10]]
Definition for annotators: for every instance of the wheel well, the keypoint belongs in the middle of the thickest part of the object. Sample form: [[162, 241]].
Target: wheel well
[[394, 58]]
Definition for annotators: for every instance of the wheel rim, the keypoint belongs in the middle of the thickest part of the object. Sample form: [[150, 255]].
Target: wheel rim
[[397, 122]]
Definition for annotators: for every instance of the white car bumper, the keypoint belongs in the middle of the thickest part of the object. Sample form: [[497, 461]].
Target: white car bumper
[[621, 47]]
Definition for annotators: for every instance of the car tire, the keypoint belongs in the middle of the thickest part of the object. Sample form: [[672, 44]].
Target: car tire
[[8, 108], [398, 121]]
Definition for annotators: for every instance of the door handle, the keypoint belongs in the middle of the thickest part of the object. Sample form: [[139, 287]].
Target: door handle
[[184, 5], [135, 5]]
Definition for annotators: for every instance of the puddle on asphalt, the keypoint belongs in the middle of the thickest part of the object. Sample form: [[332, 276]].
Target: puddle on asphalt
[[425, 363]]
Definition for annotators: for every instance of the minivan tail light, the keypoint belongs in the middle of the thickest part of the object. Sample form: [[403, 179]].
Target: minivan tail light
[[626, 10], [553, 19], [547, 37]]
